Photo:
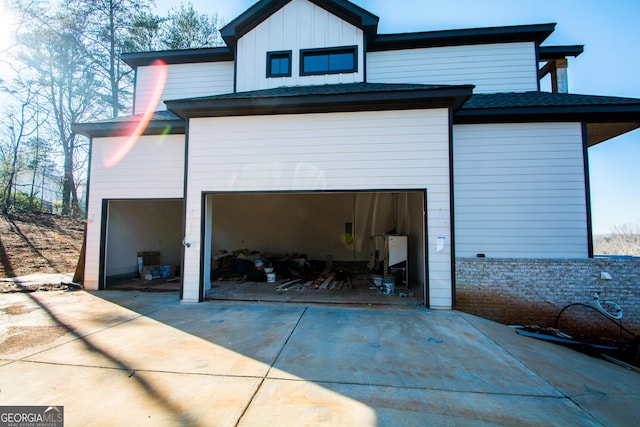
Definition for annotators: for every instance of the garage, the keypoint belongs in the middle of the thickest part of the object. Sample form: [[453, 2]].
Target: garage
[[328, 246], [147, 229], [320, 184]]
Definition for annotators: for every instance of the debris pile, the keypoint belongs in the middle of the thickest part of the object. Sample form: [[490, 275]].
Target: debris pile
[[295, 271]]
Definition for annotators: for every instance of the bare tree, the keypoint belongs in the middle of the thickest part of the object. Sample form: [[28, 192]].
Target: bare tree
[[108, 26], [54, 56], [625, 240], [21, 124]]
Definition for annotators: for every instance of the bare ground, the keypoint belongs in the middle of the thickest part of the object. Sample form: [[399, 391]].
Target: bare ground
[[38, 243]]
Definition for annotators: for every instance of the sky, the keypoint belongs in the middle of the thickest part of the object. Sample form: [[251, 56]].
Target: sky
[[610, 66]]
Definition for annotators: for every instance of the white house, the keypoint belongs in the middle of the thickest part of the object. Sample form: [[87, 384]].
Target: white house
[[310, 122]]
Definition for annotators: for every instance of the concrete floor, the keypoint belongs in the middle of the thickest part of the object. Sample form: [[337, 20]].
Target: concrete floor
[[361, 293], [139, 358]]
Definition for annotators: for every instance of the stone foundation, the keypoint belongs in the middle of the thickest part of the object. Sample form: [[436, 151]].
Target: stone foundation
[[534, 291]]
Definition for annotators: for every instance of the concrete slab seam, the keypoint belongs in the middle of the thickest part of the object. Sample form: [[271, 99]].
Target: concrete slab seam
[[517, 360], [447, 390], [133, 371], [273, 362], [512, 356], [75, 334]]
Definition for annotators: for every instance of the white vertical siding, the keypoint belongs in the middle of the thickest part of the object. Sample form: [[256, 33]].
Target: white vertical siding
[[391, 150], [153, 169], [298, 25], [500, 67], [520, 190], [183, 81]]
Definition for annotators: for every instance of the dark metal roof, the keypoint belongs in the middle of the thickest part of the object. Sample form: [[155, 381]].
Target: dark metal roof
[[547, 53], [324, 98], [262, 10], [470, 36], [604, 116], [514, 100], [184, 56], [162, 122]]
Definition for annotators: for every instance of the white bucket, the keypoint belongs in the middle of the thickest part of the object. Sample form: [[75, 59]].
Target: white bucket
[[271, 277], [388, 285]]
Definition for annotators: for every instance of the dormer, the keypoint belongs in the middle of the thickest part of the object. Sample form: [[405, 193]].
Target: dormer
[[299, 42]]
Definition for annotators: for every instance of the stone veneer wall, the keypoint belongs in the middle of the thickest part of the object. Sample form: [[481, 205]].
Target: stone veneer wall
[[534, 291]]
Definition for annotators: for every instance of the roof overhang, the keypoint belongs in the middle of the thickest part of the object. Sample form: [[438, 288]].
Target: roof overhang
[[324, 99], [185, 56], [262, 10], [162, 123], [470, 36], [605, 117], [550, 53]]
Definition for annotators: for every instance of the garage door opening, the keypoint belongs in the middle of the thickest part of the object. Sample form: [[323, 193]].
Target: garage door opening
[[142, 244], [338, 247]]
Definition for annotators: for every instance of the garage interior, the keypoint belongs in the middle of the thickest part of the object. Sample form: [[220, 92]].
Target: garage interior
[[316, 247], [147, 231]]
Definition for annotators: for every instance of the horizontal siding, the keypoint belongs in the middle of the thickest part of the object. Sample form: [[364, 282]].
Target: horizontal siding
[[520, 191], [153, 169], [183, 81], [298, 25], [321, 152], [504, 67]]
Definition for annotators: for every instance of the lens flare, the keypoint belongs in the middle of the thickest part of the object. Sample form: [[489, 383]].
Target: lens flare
[[159, 80]]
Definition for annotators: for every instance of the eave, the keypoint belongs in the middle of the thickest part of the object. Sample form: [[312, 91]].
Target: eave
[[184, 56], [605, 117], [163, 123], [324, 99], [549, 53], [471, 36]]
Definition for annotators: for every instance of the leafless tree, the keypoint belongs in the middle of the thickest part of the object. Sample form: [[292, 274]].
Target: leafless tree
[[625, 240], [21, 123]]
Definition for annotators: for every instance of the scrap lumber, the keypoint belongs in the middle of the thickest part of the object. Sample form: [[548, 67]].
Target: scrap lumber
[[327, 282], [285, 286], [320, 280]]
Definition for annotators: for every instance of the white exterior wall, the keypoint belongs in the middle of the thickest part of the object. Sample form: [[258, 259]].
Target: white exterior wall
[[519, 191], [500, 67], [183, 81], [391, 150], [298, 25], [153, 169]]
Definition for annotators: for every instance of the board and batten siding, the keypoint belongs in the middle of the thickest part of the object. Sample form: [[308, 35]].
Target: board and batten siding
[[500, 67], [183, 81], [519, 191], [153, 169], [384, 150], [298, 25]]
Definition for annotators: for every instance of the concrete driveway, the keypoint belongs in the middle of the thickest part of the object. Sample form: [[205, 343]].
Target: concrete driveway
[[130, 358]]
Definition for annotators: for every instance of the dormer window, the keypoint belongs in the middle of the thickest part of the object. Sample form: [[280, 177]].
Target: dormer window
[[279, 64], [329, 61]]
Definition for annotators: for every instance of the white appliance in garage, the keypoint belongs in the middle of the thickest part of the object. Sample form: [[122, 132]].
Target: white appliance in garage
[[390, 255]]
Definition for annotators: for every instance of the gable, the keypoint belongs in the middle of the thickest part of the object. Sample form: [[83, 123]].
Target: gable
[[298, 27], [262, 10]]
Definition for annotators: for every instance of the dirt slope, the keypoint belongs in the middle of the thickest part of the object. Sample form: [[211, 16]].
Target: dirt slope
[[38, 243]]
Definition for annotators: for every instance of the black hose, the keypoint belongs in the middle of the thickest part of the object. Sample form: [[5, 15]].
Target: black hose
[[597, 311]]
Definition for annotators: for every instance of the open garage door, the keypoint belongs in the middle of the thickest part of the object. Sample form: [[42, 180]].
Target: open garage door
[[151, 229], [334, 233]]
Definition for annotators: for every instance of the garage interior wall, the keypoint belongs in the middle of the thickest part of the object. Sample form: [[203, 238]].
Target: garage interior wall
[[142, 225], [318, 224]]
